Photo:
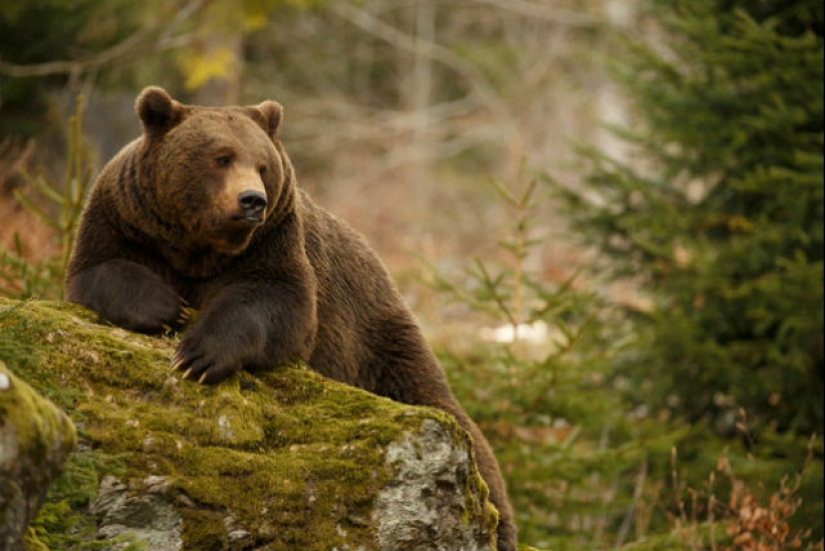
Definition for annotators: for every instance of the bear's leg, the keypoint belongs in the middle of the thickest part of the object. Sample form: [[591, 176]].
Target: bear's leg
[[253, 326], [128, 295]]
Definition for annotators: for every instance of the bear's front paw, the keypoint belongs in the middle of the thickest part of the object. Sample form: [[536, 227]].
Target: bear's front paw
[[156, 309], [200, 362]]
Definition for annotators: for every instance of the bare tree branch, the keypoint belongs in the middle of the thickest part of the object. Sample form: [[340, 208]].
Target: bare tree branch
[[128, 48], [480, 86], [65, 67], [568, 18]]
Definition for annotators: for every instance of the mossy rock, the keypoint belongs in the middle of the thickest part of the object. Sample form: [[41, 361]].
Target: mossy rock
[[281, 459], [35, 441]]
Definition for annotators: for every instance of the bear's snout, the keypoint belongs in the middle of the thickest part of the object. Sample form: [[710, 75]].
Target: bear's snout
[[252, 204]]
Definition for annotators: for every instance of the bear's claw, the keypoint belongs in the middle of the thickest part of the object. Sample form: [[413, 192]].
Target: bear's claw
[[202, 364]]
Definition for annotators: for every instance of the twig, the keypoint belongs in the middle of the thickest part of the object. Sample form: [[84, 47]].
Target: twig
[[634, 504], [711, 512]]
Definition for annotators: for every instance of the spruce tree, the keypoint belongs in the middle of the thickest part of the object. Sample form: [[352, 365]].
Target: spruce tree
[[718, 214]]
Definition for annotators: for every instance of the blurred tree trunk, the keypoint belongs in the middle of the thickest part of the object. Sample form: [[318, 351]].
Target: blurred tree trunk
[[619, 14], [417, 91], [223, 89]]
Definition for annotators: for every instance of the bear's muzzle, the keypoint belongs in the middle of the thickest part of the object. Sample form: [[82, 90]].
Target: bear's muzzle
[[252, 204]]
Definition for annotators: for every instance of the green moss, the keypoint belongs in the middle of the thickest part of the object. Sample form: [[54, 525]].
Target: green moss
[[204, 530], [32, 543], [295, 458], [37, 423], [42, 438]]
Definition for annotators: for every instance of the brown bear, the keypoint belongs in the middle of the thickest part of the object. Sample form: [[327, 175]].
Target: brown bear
[[203, 209]]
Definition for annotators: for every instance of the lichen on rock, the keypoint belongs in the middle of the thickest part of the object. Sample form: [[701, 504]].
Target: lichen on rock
[[431, 477], [280, 459]]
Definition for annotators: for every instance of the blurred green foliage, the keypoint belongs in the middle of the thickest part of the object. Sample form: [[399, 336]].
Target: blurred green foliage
[[21, 278], [721, 220], [718, 216], [590, 461], [717, 386]]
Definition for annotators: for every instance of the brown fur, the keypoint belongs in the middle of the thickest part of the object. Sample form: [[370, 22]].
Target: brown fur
[[164, 226]]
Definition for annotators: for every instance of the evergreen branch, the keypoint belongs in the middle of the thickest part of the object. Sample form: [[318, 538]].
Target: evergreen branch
[[33, 208], [41, 185], [492, 286]]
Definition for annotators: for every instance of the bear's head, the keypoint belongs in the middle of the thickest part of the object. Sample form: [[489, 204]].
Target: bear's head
[[214, 175]]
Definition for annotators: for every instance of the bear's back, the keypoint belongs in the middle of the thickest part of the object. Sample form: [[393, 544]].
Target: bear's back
[[356, 296]]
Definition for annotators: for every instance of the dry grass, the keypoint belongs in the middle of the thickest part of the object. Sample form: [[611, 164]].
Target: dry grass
[[748, 518]]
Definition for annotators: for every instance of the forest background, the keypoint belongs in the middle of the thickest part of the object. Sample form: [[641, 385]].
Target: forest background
[[632, 189]]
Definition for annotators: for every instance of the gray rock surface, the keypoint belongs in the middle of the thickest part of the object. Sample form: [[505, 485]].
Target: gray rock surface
[[422, 506]]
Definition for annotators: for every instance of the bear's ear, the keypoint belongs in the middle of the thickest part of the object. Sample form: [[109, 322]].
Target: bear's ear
[[157, 111], [269, 115]]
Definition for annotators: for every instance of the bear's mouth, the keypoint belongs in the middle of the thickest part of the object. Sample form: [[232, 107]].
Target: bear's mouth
[[254, 219]]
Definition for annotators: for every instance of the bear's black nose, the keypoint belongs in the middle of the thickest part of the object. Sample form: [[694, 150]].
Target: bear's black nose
[[252, 203]]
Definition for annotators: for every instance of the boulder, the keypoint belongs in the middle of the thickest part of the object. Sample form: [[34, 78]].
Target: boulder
[[279, 459], [35, 440]]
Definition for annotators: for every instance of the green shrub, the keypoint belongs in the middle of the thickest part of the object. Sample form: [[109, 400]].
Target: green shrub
[[21, 278]]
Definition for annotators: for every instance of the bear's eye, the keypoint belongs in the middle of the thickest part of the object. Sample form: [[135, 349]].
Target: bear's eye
[[224, 161], [262, 170]]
